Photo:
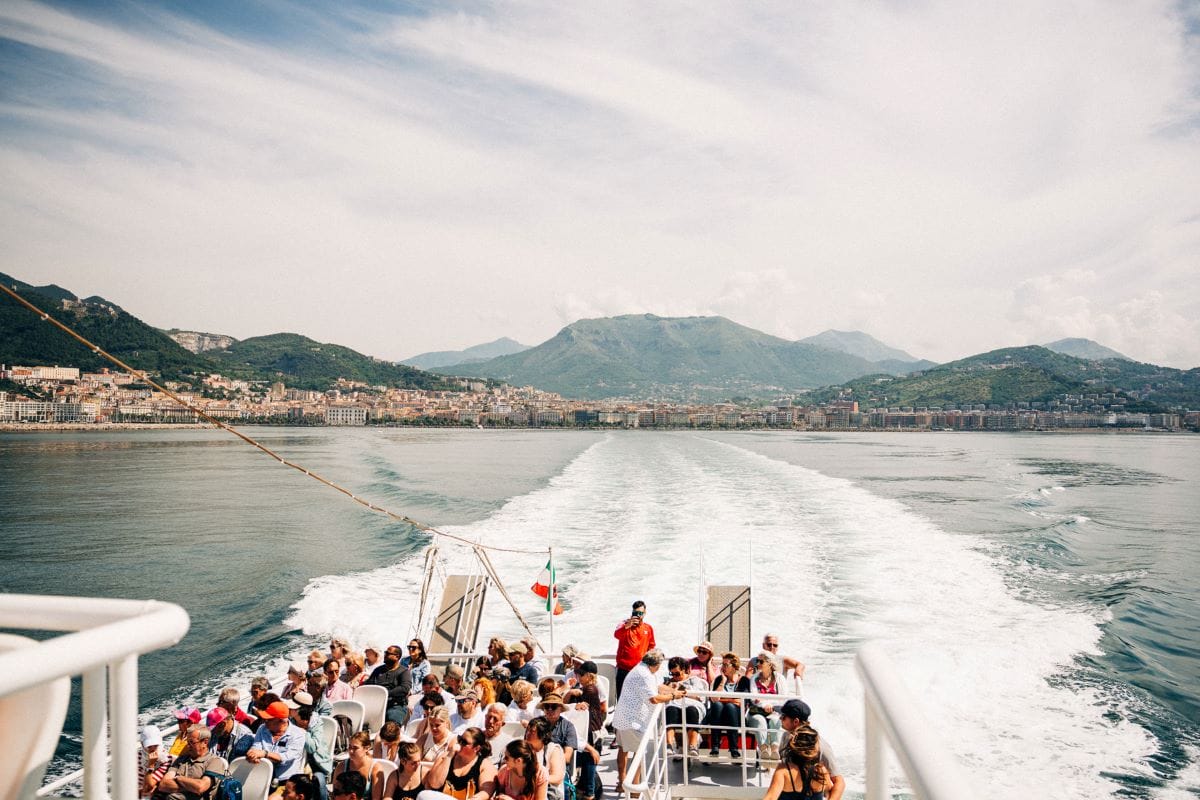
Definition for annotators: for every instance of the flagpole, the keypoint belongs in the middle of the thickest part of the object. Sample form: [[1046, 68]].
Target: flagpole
[[550, 603]]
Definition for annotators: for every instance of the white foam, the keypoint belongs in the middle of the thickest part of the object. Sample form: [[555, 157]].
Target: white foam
[[833, 565]]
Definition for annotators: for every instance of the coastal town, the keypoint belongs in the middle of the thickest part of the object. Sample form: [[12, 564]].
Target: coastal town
[[58, 396]]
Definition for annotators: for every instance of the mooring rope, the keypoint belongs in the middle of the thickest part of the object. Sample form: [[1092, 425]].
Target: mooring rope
[[46, 317]]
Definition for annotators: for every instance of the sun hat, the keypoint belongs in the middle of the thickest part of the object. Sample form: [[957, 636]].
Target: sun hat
[[297, 668], [704, 646], [552, 699]]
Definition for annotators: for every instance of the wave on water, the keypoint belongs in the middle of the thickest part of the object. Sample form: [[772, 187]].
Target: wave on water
[[833, 565]]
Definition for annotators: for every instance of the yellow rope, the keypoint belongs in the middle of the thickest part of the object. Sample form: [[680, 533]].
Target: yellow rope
[[248, 440]]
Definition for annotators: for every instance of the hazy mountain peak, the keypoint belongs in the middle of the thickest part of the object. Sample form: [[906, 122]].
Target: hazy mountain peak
[[857, 343], [481, 352], [1084, 348]]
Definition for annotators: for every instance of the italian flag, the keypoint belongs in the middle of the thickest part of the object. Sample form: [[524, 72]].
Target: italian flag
[[546, 587]]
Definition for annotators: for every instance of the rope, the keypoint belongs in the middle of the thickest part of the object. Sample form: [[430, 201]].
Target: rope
[[481, 552], [45, 316]]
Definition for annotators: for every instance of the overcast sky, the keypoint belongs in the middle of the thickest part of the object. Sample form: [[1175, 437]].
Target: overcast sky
[[948, 177]]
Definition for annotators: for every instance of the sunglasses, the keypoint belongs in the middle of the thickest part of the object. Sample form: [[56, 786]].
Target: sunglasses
[[413, 647], [771, 645], [428, 706], [465, 742]]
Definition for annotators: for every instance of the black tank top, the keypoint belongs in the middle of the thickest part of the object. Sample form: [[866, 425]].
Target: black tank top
[[803, 794], [408, 794], [460, 782]]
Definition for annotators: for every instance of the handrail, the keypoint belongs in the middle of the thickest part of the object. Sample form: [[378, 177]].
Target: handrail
[[104, 639], [890, 711]]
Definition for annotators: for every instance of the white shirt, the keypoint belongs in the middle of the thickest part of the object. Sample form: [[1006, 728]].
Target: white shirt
[[633, 709], [517, 714], [459, 723]]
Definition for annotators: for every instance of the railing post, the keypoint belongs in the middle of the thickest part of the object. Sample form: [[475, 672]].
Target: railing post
[[95, 734], [123, 692], [876, 765]]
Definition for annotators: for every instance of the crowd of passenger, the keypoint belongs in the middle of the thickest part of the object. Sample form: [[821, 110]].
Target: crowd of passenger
[[498, 731]]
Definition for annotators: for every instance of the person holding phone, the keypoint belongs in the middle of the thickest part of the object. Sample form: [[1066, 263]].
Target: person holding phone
[[634, 638]]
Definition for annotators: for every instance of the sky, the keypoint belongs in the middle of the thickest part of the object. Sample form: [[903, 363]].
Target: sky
[[948, 177]]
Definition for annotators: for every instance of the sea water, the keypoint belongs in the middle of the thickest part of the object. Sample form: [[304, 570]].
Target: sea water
[[1040, 594]]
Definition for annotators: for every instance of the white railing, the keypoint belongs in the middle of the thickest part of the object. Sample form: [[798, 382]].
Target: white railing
[[892, 714], [106, 638], [891, 717]]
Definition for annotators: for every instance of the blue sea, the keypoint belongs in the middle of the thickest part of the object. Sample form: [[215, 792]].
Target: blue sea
[[1039, 593]]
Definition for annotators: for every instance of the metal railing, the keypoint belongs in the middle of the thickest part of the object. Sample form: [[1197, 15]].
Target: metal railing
[[891, 717], [106, 637], [891, 714]]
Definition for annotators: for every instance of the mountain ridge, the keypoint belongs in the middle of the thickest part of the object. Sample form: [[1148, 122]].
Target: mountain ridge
[[481, 352]]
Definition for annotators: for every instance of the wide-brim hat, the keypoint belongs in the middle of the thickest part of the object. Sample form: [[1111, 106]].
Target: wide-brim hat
[[552, 699], [704, 646]]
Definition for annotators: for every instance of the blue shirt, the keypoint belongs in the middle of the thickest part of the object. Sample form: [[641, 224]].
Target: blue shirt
[[290, 748]]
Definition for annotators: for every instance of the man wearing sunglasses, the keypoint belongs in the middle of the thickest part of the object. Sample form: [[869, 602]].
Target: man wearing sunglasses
[[396, 678], [770, 643], [634, 638]]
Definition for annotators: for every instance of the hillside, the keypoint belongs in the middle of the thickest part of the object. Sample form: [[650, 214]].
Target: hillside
[[1027, 374], [860, 344], [307, 364], [685, 359], [1084, 348], [27, 340], [480, 352]]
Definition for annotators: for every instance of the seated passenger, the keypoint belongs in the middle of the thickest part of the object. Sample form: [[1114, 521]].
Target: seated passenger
[[548, 755], [409, 778], [387, 745], [358, 759], [297, 677], [356, 671], [468, 713], [335, 688], [438, 737], [689, 709], [185, 778], [794, 720], [522, 708], [417, 662], [800, 772], [493, 728], [724, 713], [521, 777], [704, 665], [763, 713], [230, 739], [518, 665], [464, 771]]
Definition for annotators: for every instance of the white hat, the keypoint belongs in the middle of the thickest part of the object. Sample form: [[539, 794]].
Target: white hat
[[151, 737]]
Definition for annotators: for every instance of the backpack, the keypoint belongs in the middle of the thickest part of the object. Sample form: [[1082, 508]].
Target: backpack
[[345, 729], [224, 787]]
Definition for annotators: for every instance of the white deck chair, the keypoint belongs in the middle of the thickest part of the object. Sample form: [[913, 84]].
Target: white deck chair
[[606, 686], [580, 721], [410, 730], [352, 709], [255, 778], [329, 731], [374, 700], [388, 768], [514, 729]]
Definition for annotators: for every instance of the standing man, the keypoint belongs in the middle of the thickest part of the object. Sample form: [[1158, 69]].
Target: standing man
[[632, 715], [396, 678], [634, 638], [794, 715]]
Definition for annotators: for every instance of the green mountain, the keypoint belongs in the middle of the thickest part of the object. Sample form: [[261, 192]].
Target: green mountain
[[480, 352], [307, 364], [25, 339], [1084, 348], [686, 359], [297, 361], [1026, 374]]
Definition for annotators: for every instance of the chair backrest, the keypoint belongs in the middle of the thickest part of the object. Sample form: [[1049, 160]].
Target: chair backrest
[[255, 778], [606, 690], [374, 700], [388, 768], [352, 709], [329, 731], [514, 729], [580, 720], [410, 730]]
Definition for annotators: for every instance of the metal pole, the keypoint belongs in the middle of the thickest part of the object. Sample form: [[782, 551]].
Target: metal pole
[[123, 700], [95, 735], [551, 601]]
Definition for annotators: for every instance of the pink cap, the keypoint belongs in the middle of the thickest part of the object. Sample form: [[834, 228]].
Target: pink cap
[[216, 717]]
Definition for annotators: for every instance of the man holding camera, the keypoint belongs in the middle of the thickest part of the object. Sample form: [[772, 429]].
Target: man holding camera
[[634, 638]]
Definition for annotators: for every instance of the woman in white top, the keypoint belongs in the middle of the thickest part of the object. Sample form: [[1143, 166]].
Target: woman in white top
[[438, 737], [522, 708], [549, 755], [763, 712]]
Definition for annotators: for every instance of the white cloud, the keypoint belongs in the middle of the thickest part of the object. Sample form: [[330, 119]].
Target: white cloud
[[437, 180]]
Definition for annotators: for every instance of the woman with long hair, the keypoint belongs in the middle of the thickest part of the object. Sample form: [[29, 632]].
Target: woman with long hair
[[549, 755], [359, 760], [800, 774], [438, 735], [464, 771], [417, 662], [725, 713], [521, 778], [409, 778]]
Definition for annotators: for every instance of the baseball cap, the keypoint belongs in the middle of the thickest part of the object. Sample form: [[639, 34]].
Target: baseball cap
[[277, 710], [216, 717], [299, 699], [517, 647], [188, 713], [468, 695], [796, 709], [151, 736]]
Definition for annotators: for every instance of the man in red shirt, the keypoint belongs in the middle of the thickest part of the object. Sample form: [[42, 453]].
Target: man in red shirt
[[634, 637]]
